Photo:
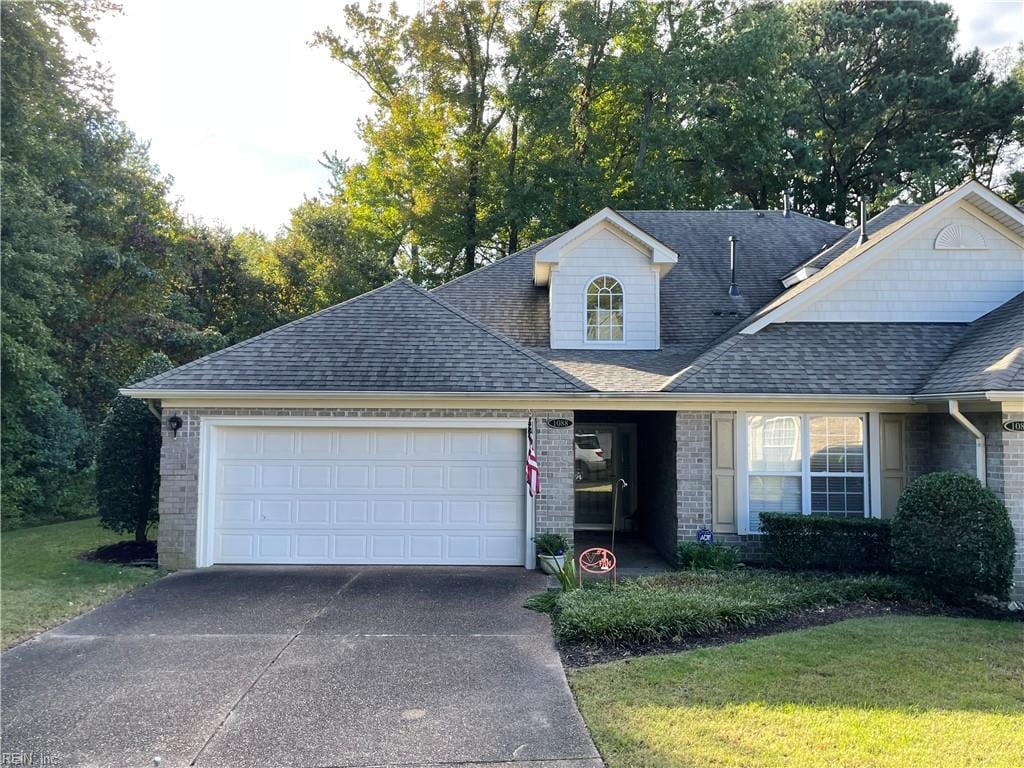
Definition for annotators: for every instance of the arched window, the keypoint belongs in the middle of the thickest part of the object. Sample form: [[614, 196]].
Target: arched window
[[604, 309]]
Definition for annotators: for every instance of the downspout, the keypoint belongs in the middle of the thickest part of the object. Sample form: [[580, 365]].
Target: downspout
[[979, 439]]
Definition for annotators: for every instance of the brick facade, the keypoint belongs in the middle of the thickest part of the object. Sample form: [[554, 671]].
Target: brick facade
[[179, 469], [948, 446], [1011, 467], [934, 441], [693, 483]]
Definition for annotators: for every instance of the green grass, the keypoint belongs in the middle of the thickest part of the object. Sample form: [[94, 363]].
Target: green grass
[[702, 603], [892, 692], [43, 583]]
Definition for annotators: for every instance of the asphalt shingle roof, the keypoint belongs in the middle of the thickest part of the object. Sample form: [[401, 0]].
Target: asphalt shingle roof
[[622, 370], [488, 331], [890, 215], [502, 296], [395, 338], [823, 358], [990, 356], [695, 305]]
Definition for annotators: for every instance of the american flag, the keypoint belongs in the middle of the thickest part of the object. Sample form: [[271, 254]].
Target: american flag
[[532, 467]]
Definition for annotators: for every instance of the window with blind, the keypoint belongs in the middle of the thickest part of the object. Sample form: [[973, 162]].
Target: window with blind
[[805, 464]]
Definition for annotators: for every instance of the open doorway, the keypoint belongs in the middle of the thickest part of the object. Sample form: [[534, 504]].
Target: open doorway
[[625, 482]]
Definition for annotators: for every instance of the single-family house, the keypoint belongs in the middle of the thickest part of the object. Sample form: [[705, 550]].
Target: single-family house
[[674, 370]]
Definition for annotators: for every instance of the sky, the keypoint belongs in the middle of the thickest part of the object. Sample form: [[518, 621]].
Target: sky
[[239, 109]]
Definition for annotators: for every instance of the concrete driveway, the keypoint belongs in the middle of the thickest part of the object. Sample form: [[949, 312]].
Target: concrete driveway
[[313, 666]]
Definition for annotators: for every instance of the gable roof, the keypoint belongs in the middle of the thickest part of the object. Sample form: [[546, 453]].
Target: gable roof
[[972, 191], [989, 358], [396, 338], [695, 306], [875, 224], [660, 254]]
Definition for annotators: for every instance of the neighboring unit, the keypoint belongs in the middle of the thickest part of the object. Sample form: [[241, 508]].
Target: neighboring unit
[[710, 365]]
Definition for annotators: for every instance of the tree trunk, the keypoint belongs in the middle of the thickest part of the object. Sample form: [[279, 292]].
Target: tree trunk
[[513, 225], [469, 215]]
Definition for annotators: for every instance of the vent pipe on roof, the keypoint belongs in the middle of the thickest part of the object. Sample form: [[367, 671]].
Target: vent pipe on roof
[[787, 204], [734, 290], [863, 220]]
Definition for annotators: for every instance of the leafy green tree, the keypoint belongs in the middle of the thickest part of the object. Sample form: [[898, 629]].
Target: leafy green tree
[[128, 459], [888, 101]]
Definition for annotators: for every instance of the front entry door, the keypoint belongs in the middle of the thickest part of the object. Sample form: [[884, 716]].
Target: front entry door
[[604, 455]]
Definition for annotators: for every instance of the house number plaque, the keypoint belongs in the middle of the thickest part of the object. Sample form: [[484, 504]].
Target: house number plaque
[[559, 423], [1013, 426]]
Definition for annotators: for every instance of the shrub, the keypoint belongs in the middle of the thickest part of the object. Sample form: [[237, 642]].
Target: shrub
[[128, 460], [551, 544], [703, 603], [813, 542], [707, 557], [955, 534]]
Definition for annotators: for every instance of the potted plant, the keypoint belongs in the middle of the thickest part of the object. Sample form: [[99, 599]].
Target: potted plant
[[551, 548]]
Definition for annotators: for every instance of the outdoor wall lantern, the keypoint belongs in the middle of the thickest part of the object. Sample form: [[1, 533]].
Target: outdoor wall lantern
[[175, 423]]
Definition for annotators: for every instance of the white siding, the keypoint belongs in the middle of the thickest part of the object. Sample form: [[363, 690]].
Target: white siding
[[604, 253], [917, 283]]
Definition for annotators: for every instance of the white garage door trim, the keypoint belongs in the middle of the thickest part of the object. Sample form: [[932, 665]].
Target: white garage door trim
[[207, 480]]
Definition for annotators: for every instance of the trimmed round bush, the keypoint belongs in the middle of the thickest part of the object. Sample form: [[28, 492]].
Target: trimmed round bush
[[955, 534]]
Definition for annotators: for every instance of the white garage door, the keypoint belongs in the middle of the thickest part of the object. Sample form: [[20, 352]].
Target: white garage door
[[362, 495]]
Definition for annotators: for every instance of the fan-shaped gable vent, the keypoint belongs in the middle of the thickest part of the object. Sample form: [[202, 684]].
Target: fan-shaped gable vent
[[959, 237]]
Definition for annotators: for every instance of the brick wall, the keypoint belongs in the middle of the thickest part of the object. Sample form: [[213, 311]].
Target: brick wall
[[1011, 469], [918, 441], [693, 483], [951, 447], [179, 469]]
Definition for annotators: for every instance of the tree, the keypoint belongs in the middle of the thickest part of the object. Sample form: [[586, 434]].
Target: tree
[[434, 80], [128, 459], [879, 79]]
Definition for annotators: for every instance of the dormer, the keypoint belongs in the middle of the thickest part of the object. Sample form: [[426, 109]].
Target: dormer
[[603, 280]]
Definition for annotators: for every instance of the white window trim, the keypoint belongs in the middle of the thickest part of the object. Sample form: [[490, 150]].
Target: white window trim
[[872, 501], [604, 342]]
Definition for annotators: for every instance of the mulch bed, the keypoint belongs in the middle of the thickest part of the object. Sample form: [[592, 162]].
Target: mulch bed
[[575, 656], [125, 553]]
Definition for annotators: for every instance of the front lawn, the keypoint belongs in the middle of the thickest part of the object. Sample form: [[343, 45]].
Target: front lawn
[[888, 692], [683, 604], [43, 582]]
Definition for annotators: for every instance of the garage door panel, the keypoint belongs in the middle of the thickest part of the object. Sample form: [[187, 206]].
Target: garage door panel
[[316, 476], [278, 443], [276, 477], [428, 444], [390, 477], [236, 478], [314, 512], [390, 443], [316, 444], [387, 512], [353, 478], [315, 546], [351, 512], [503, 445], [342, 495], [427, 513], [238, 444]]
